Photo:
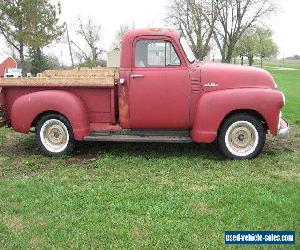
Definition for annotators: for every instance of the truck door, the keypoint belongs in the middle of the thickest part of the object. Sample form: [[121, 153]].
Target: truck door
[[159, 87]]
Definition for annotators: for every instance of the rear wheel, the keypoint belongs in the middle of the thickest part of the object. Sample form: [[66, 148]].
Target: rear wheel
[[54, 135], [242, 136]]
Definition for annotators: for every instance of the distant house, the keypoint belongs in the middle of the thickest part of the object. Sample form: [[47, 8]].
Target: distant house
[[113, 58], [6, 62]]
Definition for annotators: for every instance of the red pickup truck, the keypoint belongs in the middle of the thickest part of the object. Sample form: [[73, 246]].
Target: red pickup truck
[[161, 93]]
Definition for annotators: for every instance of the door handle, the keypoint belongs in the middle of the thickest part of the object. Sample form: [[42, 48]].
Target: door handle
[[137, 76]]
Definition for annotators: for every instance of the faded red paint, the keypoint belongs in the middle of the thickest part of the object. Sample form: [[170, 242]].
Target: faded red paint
[[214, 106], [83, 107], [164, 98]]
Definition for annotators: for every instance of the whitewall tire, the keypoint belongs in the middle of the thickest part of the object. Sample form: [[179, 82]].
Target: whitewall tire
[[242, 136], [54, 135]]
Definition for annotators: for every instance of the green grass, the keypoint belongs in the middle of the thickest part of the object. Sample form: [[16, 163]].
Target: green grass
[[117, 195], [295, 64], [289, 83]]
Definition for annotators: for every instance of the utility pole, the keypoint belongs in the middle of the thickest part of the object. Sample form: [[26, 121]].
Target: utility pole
[[69, 43]]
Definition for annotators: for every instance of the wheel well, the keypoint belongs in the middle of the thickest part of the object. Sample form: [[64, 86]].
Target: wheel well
[[34, 122], [246, 111]]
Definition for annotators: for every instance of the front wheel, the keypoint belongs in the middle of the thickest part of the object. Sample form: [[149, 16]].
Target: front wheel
[[242, 136], [54, 135]]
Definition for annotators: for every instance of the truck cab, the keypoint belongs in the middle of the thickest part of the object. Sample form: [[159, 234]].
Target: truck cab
[[160, 93], [156, 81]]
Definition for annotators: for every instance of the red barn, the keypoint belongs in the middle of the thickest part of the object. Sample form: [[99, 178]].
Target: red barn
[[5, 63]]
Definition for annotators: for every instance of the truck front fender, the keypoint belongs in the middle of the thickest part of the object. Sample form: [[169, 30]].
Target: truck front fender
[[213, 107], [28, 107]]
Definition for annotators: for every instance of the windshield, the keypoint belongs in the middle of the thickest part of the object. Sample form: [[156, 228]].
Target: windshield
[[187, 50]]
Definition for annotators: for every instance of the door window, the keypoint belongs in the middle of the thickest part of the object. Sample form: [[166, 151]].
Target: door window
[[155, 53]]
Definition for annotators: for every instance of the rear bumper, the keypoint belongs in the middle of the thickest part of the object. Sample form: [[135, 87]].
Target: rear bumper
[[284, 129]]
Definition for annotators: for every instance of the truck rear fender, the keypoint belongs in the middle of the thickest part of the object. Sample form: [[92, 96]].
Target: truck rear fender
[[27, 108], [213, 108]]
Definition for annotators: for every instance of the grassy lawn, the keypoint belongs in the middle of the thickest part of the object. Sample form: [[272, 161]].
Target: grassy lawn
[[289, 83], [117, 195], [295, 64]]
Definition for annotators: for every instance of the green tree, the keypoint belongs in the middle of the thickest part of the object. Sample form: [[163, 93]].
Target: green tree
[[256, 42], [266, 47], [234, 18], [40, 62], [247, 46], [42, 28], [93, 64], [29, 23], [12, 25]]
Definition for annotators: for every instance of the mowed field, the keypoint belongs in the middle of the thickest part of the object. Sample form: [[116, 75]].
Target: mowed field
[[153, 196]]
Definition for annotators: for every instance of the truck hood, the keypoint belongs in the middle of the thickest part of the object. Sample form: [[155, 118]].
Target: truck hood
[[217, 76]]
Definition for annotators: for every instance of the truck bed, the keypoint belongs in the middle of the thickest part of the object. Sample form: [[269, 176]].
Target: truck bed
[[98, 77], [95, 87]]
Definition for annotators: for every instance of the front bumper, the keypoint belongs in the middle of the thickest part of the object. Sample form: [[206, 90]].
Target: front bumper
[[284, 129]]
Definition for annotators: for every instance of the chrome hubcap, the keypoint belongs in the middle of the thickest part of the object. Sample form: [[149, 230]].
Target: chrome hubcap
[[54, 135], [241, 138]]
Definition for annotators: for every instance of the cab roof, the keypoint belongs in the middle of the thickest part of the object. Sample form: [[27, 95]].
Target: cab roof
[[153, 32]]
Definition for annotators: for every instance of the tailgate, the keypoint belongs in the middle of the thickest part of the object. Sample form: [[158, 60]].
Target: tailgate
[[2, 113]]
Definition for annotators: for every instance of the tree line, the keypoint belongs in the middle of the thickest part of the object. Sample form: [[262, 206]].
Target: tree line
[[256, 42], [29, 26], [231, 25]]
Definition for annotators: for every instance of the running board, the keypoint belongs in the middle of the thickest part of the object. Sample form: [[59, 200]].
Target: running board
[[128, 135]]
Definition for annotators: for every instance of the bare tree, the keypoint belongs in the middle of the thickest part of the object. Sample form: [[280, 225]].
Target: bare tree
[[234, 17], [195, 19], [90, 33], [119, 36]]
